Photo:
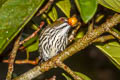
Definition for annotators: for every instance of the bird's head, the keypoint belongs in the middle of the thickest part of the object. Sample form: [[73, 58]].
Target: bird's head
[[64, 24], [72, 21]]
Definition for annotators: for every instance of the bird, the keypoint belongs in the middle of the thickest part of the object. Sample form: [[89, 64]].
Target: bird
[[54, 37]]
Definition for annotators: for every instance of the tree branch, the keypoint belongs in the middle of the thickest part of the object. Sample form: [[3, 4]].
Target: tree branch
[[104, 38], [33, 35], [50, 2], [114, 33], [71, 50], [68, 70], [12, 59], [52, 78]]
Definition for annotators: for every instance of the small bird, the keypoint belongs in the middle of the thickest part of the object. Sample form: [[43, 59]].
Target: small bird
[[54, 37]]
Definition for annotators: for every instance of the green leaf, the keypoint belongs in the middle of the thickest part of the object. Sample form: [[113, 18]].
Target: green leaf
[[14, 14], [87, 8], [83, 76], [112, 51], [2, 2], [81, 33], [111, 4], [32, 44], [65, 6], [33, 47], [67, 77], [53, 14], [30, 41]]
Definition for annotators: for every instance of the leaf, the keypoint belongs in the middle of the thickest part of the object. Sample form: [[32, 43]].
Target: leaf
[[33, 47], [81, 33], [67, 77], [2, 2], [14, 14], [111, 4], [87, 8], [83, 76], [32, 44], [30, 41], [112, 51], [53, 14], [65, 6]]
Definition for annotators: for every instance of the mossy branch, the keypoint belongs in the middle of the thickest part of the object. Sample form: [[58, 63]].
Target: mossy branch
[[72, 49]]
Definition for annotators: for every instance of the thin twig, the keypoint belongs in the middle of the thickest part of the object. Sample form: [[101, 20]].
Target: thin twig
[[33, 62], [68, 70], [114, 33], [12, 58], [50, 2], [52, 78], [71, 50], [31, 36], [90, 27], [72, 36], [104, 38]]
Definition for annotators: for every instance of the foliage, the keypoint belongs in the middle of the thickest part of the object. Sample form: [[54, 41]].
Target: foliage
[[87, 8], [78, 74], [111, 4], [14, 15]]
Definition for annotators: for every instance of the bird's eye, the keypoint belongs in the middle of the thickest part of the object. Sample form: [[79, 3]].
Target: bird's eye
[[62, 19]]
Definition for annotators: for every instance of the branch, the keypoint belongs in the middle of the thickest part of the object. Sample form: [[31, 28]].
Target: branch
[[33, 62], [33, 35], [52, 78], [50, 2], [12, 59], [114, 33], [71, 50], [68, 70], [104, 38], [73, 33]]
